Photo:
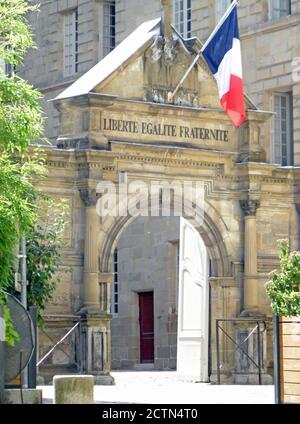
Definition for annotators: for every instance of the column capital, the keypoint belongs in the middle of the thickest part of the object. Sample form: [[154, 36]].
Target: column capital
[[249, 207], [88, 196]]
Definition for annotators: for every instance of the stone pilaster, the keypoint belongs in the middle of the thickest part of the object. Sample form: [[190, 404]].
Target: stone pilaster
[[250, 145], [250, 300], [95, 311]]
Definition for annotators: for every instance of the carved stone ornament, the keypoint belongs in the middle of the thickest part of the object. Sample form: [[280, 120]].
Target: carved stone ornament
[[89, 196], [170, 50], [249, 207], [157, 49]]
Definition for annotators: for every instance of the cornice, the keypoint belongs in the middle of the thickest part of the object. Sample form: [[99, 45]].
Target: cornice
[[108, 161], [271, 25], [167, 161]]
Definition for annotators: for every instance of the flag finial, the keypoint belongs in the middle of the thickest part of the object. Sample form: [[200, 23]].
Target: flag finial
[[167, 18]]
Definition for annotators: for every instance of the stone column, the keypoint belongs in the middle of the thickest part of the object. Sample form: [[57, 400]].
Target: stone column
[[250, 300], [91, 292], [95, 311]]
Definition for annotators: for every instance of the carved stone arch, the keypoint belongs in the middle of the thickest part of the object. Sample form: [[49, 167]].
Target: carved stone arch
[[213, 231]]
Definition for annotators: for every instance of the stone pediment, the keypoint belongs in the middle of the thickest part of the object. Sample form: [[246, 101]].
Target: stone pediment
[[157, 71], [125, 98], [147, 66]]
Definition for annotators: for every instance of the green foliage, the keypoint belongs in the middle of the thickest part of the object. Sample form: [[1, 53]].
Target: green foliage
[[284, 287], [17, 207], [15, 33], [11, 336], [21, 204], [44, 244], [21, 121]]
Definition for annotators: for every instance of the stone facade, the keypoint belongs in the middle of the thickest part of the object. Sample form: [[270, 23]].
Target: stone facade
[[249, 203], [269, 47]]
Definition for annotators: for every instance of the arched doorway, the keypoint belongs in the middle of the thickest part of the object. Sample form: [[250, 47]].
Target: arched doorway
[[180, 310], [144, 295]]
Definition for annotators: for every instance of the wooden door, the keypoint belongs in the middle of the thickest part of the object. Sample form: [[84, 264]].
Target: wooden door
[[289, 368], [146, 318], [192, 338]]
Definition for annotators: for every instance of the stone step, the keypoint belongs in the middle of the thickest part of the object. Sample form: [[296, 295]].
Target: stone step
[[144, 367]]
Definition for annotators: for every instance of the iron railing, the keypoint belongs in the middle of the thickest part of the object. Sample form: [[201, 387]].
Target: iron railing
[[259, 328], [57, 346]]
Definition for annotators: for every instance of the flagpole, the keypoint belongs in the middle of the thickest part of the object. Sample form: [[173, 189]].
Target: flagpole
[[171, 95]]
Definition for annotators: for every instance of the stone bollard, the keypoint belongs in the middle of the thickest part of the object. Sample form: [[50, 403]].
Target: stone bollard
[[76, 389]]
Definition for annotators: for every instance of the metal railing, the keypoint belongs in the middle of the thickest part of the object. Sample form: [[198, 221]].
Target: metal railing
[[57, 346], [256, 331]]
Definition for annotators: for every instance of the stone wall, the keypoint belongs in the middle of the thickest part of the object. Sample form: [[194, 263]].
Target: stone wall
[[147, 262]]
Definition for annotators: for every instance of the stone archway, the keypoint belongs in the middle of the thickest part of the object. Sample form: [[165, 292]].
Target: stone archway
[[212, 231]]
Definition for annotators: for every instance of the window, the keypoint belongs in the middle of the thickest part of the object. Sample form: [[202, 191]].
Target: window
[[70, 43], [279, 8], [6, 68], [115, 288], [221, 7], [282, 141], [10, 69], [107, 27], [183, 17]]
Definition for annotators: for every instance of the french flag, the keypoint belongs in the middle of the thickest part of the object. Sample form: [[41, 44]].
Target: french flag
[[222, 52]]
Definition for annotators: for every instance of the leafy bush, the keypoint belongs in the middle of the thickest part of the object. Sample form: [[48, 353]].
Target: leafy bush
[[284, 287], [44, 245]]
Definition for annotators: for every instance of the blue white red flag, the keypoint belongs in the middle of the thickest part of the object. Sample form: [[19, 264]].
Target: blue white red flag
[[222, 52]]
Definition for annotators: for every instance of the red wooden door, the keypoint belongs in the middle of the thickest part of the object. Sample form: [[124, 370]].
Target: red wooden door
[[146, 327]]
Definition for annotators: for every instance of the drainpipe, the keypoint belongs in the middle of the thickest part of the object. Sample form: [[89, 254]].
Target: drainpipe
[[24, 296]]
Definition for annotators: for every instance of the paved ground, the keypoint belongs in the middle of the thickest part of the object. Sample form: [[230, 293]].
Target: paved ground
[[166, 388]]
